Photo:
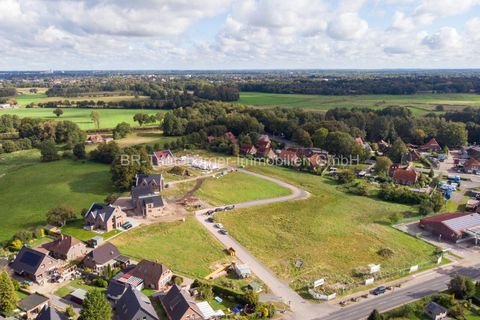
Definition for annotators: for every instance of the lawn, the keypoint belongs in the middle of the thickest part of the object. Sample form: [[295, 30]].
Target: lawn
[[109, 118], [10, 162], [332, 232], [419, 103], [146, 138], [238, 187], [185, 247], [75, 229], [29, 191], [75, 284]]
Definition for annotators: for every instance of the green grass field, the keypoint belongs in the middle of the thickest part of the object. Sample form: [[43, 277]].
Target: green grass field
[[332, 232], [185, 247], [238, 187], [40, 97], [109, 118], [31, 189], [419, 104], [145, 138]]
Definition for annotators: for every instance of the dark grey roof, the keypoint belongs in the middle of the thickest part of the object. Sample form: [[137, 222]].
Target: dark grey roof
[[29, 261], [49, 313], [157, 201], [115, 290], [101, 211], [434, 308], [177, 302], [32, 301], [139, 192], [157, 178], [135, 305], [102, 254]]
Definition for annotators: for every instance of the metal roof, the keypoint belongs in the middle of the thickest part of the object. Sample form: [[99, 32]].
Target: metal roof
[[459, 224]]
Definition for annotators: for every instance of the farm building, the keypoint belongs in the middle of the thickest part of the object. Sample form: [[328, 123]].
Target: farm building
[[453, 226]]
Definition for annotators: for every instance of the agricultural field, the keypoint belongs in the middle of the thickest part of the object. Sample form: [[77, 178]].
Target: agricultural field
[[238, 187], [332, 233], [109, 118], [185, 247], [30, 189], [419, 103], [40, 97]]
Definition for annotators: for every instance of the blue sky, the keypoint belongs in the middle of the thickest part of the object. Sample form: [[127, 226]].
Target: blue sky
[[238, 34]]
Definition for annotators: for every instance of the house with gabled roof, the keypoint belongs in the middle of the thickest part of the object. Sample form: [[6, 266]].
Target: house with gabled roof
[[66, 248], [230, 137], [248, 150], [163, 158], [104, 217], [154, 275], [50, 313], [155, 181], [471, 166], [34, 265], [103, 256], [135, 305], [146, 202], [452, 226], [178, 305], [404, 174], [115, 290], [431, 146], [33, 304], [289, 157]]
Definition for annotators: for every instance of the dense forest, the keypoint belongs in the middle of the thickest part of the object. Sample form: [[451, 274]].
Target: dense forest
[[373, 85]]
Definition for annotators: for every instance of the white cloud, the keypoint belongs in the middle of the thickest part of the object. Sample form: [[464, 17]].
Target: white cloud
[[444, 39], [347, 26]]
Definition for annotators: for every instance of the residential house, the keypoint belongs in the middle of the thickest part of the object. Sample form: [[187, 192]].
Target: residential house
[[471, 166], [146, 202], [66, 248], [404, 175], [34, 265], [155, 181], [78, 296], [473, 152], [230, 137], [97, 138], [248, 150], [435, 311], [103, 256], [431, 146], [264, 148], [383, 146], [115, 290], [135, 305], [414, 155], [104, 217], [50, 313], [163, 158], [32, 305], [178, 305], [365, 145], [289, 157], [154, 275]]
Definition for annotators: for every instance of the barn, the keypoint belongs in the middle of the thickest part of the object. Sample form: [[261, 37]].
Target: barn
[[453, 226]]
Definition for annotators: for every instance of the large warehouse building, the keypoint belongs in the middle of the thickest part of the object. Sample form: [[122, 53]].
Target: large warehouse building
[[453, 226]]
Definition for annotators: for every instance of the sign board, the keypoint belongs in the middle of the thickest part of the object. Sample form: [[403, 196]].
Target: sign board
[[318, 283], [319, 296], [414, 268], [374, 268], [369, 281]]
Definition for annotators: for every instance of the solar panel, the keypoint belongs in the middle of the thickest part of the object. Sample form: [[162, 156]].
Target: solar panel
[[31, 258]]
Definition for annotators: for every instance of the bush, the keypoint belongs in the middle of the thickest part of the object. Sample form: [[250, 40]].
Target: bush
[[9, 146], [100, 282], [345, 176], [24, 144], [398, 194], [385, 252], [177, 280]]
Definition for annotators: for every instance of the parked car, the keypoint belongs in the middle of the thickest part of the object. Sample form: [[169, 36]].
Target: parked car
[[210, 219], [230, 207], [223, 231], [127, 225], [218, 225], [218, 209], [379, 290], [210, 212]]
